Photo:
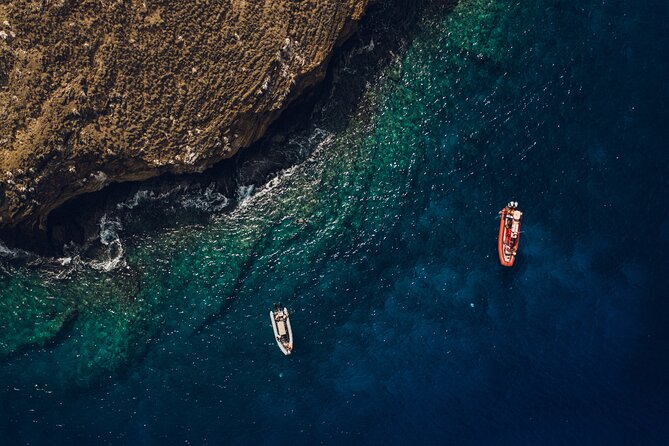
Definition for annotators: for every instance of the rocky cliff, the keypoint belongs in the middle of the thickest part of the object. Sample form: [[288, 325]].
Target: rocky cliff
[[100, 91]]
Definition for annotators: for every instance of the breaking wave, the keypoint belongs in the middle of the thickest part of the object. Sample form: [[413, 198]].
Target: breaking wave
[[114, 251], [183, 195], [14, 254]]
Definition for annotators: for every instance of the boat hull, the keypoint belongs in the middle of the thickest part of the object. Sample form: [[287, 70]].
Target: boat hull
[[286, 346], [507, 253]]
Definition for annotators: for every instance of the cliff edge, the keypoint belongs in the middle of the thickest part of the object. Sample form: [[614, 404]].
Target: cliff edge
[[101, 91]]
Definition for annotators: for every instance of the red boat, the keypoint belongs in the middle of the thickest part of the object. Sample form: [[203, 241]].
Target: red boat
[[509, 233]]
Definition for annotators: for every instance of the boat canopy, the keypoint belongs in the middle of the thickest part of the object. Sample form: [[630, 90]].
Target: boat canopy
[[281, 326]]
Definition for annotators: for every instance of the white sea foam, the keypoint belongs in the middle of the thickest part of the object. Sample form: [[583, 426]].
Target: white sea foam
[[114, 261], [139, 197], [109, 236], [365, 48], [109, 229], [244, 193], [248, 194], [12, 254], [144, 196], [186, 197], [207, 200]]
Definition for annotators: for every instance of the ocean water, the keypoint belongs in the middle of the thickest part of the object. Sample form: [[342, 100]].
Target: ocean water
[[381, 240]]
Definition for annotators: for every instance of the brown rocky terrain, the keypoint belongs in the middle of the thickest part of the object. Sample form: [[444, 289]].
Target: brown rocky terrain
[[101, 91]]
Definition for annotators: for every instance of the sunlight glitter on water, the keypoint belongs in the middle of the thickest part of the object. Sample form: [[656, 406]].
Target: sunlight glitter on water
[[382, 244]]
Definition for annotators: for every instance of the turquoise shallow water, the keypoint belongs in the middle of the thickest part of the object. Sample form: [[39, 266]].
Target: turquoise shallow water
[[382, 242]]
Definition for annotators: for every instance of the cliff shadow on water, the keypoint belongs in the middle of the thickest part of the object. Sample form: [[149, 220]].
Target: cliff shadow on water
[[89, 225]]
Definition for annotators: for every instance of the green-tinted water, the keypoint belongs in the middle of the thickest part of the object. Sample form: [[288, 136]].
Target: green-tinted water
[[342, 200], [382, 243]]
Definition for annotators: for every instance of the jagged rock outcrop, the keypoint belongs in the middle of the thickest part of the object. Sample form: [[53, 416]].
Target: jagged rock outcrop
[[100, 91]]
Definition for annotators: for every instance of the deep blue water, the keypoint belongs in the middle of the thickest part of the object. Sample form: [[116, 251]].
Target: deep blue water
[[407, 329]]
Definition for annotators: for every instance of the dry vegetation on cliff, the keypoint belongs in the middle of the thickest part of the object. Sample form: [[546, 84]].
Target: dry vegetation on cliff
[[97, 91]]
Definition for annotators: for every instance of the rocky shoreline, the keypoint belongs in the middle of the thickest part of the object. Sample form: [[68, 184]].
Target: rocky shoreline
[[95, 93]]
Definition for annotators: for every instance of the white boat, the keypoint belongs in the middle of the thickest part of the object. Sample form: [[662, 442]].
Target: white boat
[[283, 333]]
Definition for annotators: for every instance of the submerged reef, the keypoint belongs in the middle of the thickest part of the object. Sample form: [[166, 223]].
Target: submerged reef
[[96, 92]]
